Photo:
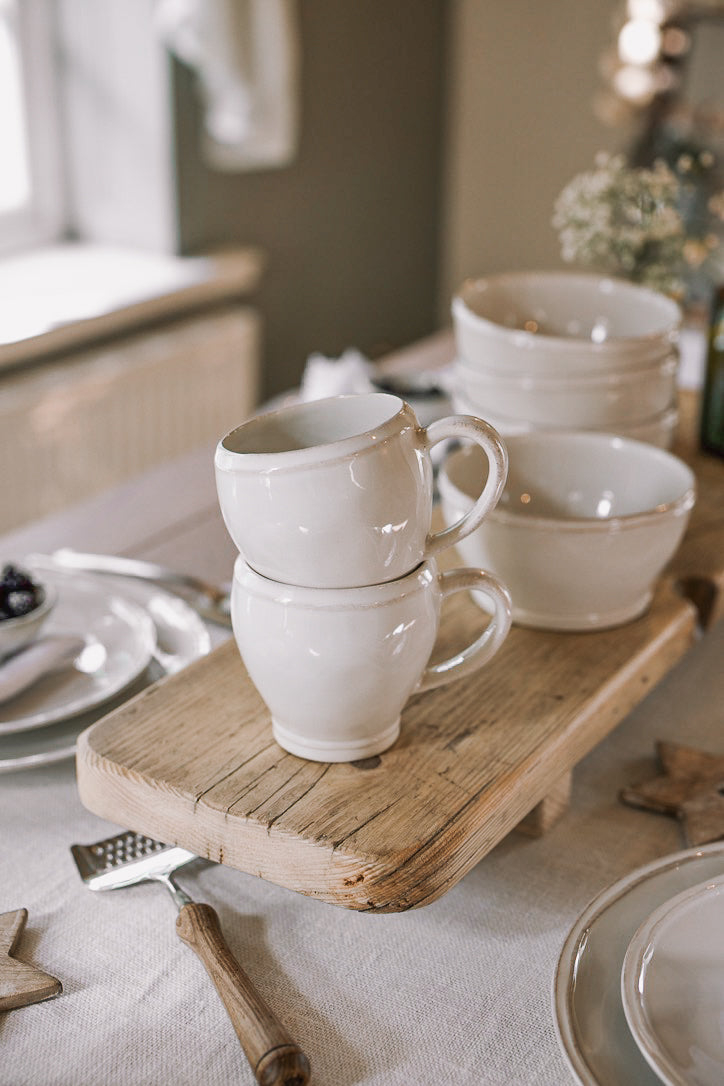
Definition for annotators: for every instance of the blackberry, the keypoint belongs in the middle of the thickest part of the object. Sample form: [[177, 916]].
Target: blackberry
[[14, 577], [19, 595], [21, 601]]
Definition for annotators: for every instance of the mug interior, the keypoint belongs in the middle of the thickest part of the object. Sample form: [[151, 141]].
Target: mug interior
[[576, 476], [569, 306], [308, 425]]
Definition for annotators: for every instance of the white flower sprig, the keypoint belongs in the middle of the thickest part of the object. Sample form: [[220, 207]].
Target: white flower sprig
[[627, 221]]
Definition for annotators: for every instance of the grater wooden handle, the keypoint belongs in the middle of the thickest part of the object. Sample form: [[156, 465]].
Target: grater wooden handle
[[275, 1058]]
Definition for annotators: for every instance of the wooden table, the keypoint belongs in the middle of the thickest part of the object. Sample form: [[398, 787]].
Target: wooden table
[[192, 760], [458, 992]]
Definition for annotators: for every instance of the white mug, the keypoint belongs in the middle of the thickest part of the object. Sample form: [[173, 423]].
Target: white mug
[[336, 666], [337, 493]]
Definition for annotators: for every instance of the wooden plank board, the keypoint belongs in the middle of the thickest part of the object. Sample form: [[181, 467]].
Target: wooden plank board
[[192, 760]]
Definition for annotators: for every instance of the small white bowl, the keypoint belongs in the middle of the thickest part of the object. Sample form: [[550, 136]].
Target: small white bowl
[[659, 429], [585, 526], [586, 400], [559, 323], [17, 632]]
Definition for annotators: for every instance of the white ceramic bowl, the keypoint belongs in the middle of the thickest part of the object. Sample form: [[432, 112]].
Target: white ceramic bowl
[[659, 429], [573, 402], [560, 323], [585, 526], [17, 632]]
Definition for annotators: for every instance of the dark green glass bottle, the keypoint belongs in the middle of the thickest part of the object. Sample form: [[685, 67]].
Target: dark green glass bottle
[[712, 399]]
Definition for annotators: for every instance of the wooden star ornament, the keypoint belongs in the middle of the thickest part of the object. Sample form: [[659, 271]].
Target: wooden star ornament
[[691, 788], [20, 983]]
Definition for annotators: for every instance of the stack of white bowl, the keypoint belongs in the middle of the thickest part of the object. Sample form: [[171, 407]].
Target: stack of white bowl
[[563, 351]]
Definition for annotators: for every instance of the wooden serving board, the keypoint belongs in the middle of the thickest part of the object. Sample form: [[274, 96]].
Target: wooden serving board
[[192, 759]]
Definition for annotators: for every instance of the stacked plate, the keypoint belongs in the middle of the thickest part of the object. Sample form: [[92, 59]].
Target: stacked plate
[[134, 633], [559, 350], [639, 991]]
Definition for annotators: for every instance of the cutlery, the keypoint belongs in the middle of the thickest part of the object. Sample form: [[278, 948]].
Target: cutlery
[[35, 661], [130, 858], [209, 600]]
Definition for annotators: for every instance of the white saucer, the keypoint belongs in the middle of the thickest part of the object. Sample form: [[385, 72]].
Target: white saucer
[[181, 638], [119, 640], [589, 1015], [672, 987]]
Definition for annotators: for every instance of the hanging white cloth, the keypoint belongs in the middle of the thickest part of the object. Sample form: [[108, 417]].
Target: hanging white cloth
[[246, 55]]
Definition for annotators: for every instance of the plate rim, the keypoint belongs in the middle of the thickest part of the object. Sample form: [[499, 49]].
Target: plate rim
[[599, 904], [649, 1045]]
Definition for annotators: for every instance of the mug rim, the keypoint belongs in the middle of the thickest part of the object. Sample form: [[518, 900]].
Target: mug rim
[[395, 420], [361, 597]]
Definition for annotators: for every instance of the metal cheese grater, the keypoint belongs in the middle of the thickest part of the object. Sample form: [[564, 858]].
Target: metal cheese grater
[[130, 858]]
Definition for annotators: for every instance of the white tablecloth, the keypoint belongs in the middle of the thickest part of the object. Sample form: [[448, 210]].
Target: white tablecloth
[[457, 992]]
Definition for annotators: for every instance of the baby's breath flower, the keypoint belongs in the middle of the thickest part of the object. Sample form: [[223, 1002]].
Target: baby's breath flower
[[696, 252], [627, 221], [716, 205]]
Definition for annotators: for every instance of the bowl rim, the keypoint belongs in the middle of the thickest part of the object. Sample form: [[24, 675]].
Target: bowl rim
[[679, 506], [462, 311], [665, 368], [668, 417]]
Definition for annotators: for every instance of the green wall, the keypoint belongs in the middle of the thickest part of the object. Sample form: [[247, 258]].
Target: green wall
[[350, 229]]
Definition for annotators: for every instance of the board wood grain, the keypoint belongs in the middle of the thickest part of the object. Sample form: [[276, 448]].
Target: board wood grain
[[192, 760]]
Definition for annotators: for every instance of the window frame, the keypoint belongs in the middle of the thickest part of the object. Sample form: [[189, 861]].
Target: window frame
[[42, 218]]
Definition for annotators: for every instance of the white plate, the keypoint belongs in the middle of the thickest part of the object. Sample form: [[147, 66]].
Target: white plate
[[119, 640], [672, 987], [181, 638], [56, 742], [588, 1011]]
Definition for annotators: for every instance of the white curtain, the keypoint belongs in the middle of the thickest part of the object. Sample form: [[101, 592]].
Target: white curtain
[[246, 56]]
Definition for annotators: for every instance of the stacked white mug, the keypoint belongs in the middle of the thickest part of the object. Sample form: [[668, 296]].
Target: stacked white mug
[[336, 594]]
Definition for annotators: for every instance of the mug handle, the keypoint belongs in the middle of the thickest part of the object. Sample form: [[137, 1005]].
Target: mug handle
[[487, 644], [483, 434]]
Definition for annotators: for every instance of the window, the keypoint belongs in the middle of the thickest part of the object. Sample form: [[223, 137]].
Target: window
[[86, 112], [31, 192]]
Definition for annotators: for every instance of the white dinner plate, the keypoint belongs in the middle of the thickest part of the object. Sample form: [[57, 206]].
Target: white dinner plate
[[589, 1015], [56, 742], [672, 987], [181, 637]]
